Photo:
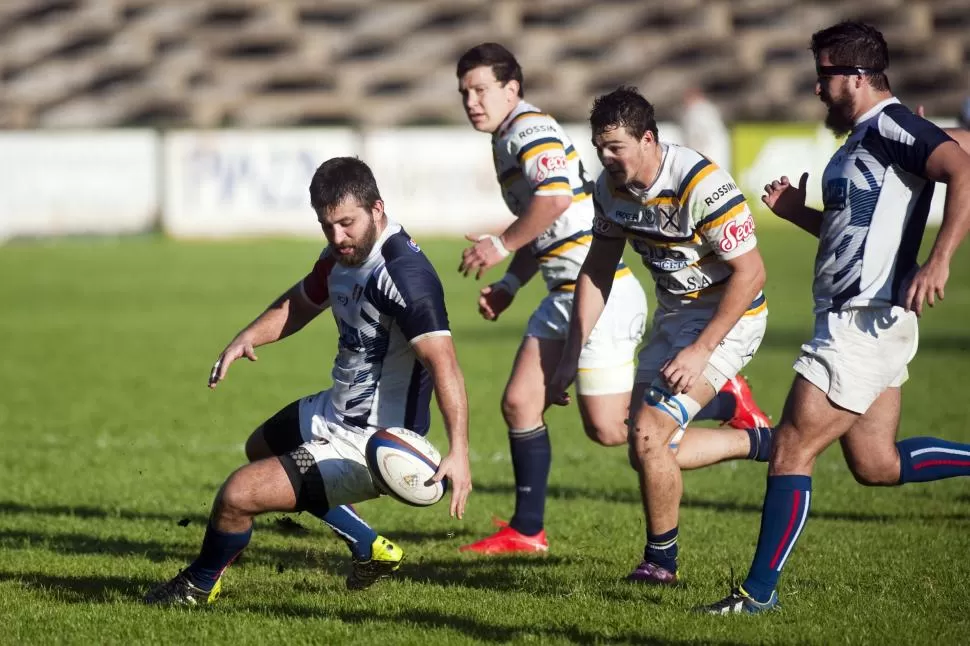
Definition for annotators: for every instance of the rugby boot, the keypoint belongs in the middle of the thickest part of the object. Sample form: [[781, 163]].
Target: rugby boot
[[385, 559]]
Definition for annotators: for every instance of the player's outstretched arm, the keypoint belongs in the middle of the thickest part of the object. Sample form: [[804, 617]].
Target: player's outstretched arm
[[437, 353], [593, 286], [284, 316], [788, 203], [490, 250], [950, 164], [496, 298]]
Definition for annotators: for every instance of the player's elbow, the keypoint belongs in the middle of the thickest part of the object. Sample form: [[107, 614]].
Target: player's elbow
[[555, 205]]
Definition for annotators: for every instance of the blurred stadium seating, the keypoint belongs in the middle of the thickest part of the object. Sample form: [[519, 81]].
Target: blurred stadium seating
[[97, 63]]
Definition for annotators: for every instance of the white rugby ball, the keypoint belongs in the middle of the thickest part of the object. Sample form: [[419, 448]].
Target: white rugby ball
[[401, 463]]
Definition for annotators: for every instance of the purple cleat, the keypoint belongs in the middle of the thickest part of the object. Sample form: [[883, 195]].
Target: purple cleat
[[652, 573]]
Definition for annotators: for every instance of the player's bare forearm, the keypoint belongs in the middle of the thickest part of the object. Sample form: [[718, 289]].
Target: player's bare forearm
[[746, 281], [951, 164], [437, 353], [806, 219], [289, 313], [524, 265], [542, 211]]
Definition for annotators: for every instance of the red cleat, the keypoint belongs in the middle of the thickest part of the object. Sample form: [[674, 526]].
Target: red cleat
[[508, 541], [746, 411]]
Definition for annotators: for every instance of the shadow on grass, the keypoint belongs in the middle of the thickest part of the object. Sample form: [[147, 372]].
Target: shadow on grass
[[632, 497], [156, 551], [81, 589], [474, 628], [296, 524]]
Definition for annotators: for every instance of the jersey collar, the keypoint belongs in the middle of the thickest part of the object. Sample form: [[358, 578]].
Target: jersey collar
[[876, 109]]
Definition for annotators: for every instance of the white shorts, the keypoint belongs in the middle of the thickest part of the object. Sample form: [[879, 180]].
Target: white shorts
[[606, 362], [338, 452], [675, 330], [857, 353]]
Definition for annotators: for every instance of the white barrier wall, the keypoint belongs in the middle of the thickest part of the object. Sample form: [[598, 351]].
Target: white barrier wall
[[255, 182], [224, 183], [437, 180], [55, 183]]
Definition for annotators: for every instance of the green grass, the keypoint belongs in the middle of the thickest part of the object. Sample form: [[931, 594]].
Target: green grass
[[112, 449]]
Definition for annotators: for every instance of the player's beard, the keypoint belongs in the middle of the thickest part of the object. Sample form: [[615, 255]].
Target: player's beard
[[838, 119], [362, 247]]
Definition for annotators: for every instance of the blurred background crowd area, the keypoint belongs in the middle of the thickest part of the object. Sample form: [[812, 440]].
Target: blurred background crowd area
[[363, 63]]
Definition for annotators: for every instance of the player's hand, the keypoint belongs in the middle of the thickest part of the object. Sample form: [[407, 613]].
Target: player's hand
[[682, 372], [493, 300], [238, 348], [556, 389], [456, 469], [487, 252], [927, 284], [783, 198], [921, 111]]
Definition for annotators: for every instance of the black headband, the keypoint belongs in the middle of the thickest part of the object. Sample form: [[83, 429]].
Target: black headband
[[844, 70]]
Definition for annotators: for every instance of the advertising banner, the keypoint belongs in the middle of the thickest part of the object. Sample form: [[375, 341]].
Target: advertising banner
[[59, 183]]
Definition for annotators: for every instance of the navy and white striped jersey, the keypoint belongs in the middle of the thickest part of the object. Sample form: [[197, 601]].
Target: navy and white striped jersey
[[877, 199], [381, 307]]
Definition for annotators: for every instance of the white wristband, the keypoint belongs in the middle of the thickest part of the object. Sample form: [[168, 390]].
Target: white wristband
[[510, 283], [497, 242]]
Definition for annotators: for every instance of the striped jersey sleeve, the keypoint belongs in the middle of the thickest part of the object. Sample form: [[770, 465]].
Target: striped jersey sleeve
[[541, 153]]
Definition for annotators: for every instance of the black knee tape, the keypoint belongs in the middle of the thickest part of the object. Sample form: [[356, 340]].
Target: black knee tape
[[301, 469]]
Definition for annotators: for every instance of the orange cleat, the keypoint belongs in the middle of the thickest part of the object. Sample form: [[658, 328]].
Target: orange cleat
[[508, 541], [746, 411]]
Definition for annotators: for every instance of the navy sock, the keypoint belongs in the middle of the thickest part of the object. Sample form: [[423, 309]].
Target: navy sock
[[782, 520], [219, 549], [924, 459], [661, 550], [358, 535], [721, 408], [760, 438], [531, 458]]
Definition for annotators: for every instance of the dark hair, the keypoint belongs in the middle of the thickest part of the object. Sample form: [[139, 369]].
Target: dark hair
[[625, 107], [858, 45], [492, 55], [339, 178]]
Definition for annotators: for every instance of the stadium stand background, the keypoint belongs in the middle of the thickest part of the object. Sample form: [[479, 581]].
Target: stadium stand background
[[109, 63]]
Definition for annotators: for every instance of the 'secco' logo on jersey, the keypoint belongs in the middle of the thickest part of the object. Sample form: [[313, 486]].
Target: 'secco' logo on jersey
[[548, 164], [735, 234]]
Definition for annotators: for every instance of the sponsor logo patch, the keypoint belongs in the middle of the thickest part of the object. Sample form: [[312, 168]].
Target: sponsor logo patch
[[413, 245], [548, 164], [735, 233], [721, 191]]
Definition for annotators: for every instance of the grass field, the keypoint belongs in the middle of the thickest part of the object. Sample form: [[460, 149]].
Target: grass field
[[112, 449]]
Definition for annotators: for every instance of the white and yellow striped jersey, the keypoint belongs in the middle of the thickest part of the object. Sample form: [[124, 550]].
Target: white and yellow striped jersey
[[534, 157], [684, 226]]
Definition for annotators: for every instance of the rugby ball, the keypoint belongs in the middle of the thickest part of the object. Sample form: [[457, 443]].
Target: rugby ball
[[401, 462]]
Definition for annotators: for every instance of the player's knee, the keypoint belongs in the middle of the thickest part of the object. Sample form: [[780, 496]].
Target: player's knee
[[788, 452], [605, 436], [235, 497], [876, 473], [519, 410]]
